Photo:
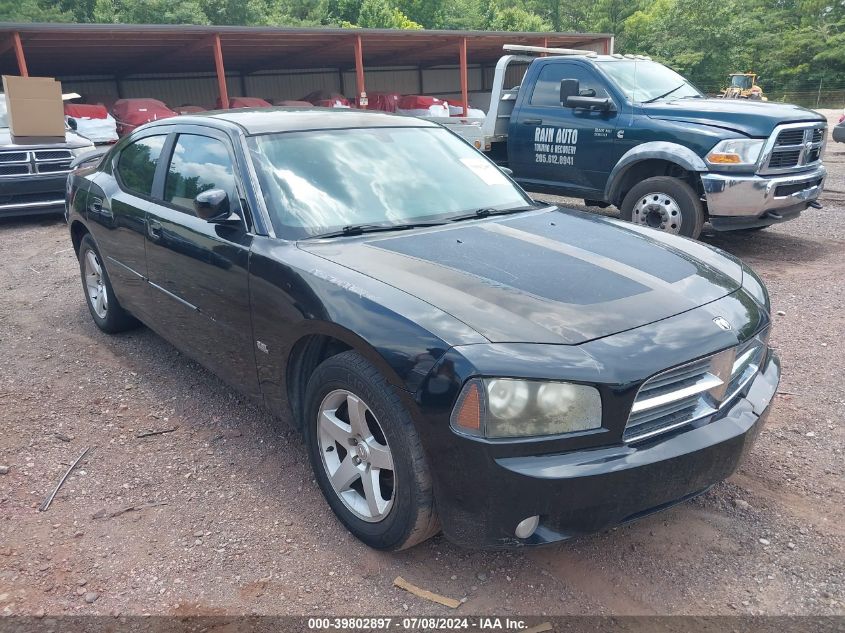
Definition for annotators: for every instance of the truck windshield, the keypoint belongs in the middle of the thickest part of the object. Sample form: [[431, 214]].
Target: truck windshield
[[321, 181], [642, 81]]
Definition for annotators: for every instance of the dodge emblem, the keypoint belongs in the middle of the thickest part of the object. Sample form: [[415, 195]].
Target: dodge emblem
[[722, 322]]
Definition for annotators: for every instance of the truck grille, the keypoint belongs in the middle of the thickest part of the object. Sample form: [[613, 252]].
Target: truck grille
[[793, 147], [694, 390], [41, 161], [787, 158], [790, 137]]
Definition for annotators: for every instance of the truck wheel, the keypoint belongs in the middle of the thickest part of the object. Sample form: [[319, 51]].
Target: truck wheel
[[667, 204]]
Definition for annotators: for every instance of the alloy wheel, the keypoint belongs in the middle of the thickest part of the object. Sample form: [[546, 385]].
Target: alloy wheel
[[95, 284], [356, 456]]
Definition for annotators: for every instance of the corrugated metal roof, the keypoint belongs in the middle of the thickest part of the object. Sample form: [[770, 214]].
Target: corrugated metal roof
[[124, 50]]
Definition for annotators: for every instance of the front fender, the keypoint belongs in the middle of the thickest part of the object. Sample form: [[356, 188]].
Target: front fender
[[295, 294], [675, 153]]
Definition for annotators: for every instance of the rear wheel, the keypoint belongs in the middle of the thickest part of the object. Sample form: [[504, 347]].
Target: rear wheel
[[666, 204], [104, 307], [367, 456]]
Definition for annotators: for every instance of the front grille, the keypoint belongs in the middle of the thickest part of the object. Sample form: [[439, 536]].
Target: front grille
[[14, 157], [681, 395], [53, 168], [790, 137], [53, 154], [14, 170], [40, 161], [793, 148], [784, 159]]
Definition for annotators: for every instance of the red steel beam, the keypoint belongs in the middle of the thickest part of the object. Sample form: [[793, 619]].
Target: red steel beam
[[16, 39], [359, 70], [221, 72], [464, 81]]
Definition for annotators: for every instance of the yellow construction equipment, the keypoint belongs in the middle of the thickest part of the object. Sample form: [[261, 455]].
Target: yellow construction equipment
[[744, 86]]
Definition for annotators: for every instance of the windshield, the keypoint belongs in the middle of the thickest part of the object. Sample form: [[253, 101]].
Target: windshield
[[643, 81], [740, 81], [321, 181], [3, 120]]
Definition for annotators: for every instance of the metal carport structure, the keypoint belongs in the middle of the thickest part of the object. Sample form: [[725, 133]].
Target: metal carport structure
[[117, 52]]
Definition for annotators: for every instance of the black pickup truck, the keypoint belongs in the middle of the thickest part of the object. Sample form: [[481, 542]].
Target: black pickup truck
[[33, 171]]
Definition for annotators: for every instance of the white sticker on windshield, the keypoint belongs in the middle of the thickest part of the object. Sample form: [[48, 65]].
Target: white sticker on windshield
[[488, 172]]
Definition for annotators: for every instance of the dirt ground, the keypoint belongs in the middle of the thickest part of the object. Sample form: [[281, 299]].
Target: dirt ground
[[222, 516]]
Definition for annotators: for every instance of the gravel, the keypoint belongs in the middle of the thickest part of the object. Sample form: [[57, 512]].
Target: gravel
[[222, 516]]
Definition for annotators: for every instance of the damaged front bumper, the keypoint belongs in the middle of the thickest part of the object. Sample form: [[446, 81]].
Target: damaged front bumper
[[740, 201]]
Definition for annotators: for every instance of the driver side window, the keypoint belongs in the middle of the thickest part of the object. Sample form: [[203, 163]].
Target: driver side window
[[199, 163], [547, 88]]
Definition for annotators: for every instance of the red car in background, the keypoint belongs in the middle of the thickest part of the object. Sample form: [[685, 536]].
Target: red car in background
[[131, 113], [245, 102]]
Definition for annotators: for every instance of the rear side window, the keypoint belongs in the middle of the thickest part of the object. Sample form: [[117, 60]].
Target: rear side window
[[547, 89], [199, 163], [136, 166]]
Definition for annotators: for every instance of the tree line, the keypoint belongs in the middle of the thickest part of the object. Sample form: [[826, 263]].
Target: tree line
[[793, 45]]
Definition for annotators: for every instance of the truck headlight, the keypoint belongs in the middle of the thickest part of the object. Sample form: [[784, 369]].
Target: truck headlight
[[736, 152], [510, 408]]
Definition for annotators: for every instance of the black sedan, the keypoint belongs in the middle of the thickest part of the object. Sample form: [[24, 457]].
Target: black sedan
[[458, 356]]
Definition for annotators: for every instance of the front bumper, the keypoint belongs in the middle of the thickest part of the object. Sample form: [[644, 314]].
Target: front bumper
[[29, 195], [734, 199], [585, 491]]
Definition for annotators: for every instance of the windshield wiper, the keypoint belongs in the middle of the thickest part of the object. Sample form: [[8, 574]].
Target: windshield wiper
[[360, 229], [486, 212], [665, 94]]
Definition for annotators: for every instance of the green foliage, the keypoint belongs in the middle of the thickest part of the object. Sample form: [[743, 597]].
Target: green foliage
[[378, 14], [516, 19], [791, 44]]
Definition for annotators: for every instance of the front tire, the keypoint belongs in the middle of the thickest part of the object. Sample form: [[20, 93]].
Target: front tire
[[666, 204], [367, 456], [102, 303]]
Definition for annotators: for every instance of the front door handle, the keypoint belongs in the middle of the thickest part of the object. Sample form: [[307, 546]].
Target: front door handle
[[154, 229], [532, 121]]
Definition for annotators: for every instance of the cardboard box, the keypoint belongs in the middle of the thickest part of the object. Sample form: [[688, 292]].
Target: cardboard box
[[34, 106]]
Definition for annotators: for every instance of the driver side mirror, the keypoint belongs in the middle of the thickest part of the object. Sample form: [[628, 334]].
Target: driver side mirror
[[213, 206], [72, 124], [568, 88]]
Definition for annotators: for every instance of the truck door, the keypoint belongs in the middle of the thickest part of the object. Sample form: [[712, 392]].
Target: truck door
[[550, 145]]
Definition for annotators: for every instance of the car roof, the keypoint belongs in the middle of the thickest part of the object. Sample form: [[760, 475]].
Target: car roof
[[291, 119]]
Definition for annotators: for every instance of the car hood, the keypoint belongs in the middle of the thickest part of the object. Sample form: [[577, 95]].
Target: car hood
[[544, 277], [749, 117], [71, 140]]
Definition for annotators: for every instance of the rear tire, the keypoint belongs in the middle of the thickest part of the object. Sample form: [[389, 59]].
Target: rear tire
[[102, 303], [367, 456], [665, 203]]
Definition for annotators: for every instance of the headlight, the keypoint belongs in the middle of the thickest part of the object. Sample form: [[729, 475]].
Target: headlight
[[507, 407], [736, 152], [753, 285]]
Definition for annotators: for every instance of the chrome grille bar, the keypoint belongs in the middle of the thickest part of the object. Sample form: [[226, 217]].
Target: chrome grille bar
[[691, 391], [793, 147]]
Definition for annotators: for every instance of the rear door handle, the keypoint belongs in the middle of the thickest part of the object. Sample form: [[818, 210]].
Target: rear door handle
[[532, 121], [154, 229], [95, 205]]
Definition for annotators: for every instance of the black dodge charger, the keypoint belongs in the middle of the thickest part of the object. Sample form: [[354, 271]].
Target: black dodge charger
[[458, 356]]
